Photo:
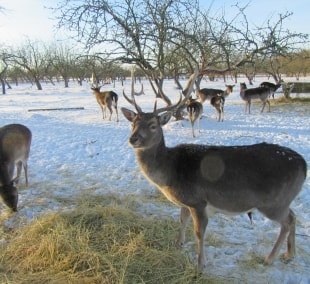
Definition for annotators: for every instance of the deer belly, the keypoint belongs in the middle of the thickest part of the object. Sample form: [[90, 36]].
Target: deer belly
[[211, 210]]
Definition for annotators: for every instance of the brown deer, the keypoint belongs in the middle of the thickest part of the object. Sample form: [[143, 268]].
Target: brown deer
[[216, 98], [273, 87], [229, 179], [206, 94], [194, 109], [15, 140], [218, 103], [248, 95], [106, 99]]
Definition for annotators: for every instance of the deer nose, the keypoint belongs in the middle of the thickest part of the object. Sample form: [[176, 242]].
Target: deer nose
[[133, 140]]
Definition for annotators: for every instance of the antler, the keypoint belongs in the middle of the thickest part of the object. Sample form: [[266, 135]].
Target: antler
[[132, 102], [168, 108]]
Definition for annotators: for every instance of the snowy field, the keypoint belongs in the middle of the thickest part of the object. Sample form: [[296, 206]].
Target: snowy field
[[74, 152]]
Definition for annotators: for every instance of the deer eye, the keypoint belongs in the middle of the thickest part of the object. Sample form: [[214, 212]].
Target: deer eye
[[152, 126]]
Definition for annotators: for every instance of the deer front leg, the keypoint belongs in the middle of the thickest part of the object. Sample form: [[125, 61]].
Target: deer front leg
[[287, 227], [200, 220], [184, 217]]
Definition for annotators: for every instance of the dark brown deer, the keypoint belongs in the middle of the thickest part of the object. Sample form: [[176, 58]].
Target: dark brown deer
[[271, 86], [248, 95], [106, 99], [227, 179], [15, 140], [218, 103], [194, 109]]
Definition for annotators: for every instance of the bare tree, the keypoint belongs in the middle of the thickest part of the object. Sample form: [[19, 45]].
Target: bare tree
[[30, 58], [141, 36]]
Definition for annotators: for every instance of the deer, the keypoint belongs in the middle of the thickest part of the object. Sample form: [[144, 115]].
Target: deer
[[194, 109], [206, 93], [271, 86], [205, 179], [106, 99], [218, 103], [248, 95], [213, 95], [15, 141]]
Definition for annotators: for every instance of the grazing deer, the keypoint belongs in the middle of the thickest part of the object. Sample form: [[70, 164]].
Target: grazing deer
[[194, 109], [15, 140], [271, 86], [218, 103], [248, 95], [203, 179], [106, 99]]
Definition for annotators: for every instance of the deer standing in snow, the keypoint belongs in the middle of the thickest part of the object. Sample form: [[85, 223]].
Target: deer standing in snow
[[106, 99], [15, 141], [194, 109], [216, 98], [248, 95], [203, 179]]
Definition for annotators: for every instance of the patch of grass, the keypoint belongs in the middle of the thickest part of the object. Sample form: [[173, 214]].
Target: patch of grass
[[97, 244], [298, 101]]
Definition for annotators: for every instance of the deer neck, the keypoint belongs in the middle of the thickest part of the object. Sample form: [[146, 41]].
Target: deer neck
[[154, 163]]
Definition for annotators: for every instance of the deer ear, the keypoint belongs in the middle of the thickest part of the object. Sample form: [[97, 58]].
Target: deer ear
[[164, 118], [129, 114]]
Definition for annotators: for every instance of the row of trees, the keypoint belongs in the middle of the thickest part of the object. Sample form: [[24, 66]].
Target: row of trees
[[164, 38]]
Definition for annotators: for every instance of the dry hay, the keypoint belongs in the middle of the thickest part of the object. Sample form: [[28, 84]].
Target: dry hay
[[96, 244]]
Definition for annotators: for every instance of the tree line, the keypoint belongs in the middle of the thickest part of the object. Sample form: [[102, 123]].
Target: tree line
[[163, 38]]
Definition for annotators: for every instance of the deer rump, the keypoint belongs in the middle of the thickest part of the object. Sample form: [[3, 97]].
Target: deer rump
[[236, 179]]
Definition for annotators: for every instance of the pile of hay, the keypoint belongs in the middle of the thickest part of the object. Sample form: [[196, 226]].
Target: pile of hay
[[97, 244]]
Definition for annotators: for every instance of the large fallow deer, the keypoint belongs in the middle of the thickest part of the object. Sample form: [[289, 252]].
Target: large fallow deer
[[203, 179], [106, 99], [261, 93], [15, 141]]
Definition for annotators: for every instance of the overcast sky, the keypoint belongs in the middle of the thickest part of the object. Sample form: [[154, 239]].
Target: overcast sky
[[30, 19]]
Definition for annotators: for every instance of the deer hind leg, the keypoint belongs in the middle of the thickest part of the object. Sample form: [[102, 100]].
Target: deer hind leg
[[268, 105], [200, 220], [116, 113], [111, 111], [287, 228], [184, 217], [193, 130]]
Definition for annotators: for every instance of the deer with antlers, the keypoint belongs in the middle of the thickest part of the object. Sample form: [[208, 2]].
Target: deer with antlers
[[203, 179]]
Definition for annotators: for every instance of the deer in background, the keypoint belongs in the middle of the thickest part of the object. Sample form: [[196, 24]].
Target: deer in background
[[194, 109], [216, 98], [206, 94], [248, 95], [106, 99], [15, 141], [218, 103], [203, 179], [271, 86]]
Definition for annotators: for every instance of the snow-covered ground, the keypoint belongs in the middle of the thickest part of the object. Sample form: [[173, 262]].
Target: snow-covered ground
[[75, 151]]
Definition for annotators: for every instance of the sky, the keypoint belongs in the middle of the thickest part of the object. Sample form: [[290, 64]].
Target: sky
[[31, 19]]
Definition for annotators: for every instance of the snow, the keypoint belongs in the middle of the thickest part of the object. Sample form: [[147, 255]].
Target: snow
[[75, 152]]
